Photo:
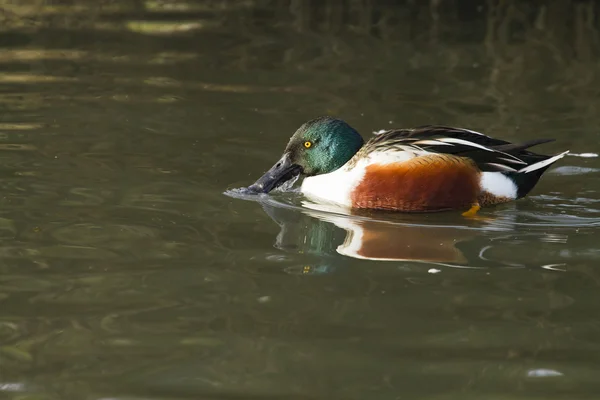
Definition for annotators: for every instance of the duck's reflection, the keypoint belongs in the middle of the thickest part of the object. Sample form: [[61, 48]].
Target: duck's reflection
[[444, 239], [316, 230], [376, 240]]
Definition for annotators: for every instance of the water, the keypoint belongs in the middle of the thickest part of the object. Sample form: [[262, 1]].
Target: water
[[125, 272]]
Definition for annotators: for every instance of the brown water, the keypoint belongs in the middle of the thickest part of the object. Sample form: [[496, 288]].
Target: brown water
[[126, 273]]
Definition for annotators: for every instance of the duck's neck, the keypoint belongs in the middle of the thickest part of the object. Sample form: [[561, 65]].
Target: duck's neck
[[354, 143]]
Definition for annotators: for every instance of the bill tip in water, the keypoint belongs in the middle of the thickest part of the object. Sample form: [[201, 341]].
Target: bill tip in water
[[255, 188], [244, 191]]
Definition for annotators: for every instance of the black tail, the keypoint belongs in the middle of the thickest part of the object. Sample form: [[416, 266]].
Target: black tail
[[527, 177], [512, 148]]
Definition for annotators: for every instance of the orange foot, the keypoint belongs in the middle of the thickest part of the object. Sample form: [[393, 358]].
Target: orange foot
[[472, 214], [472, 211]]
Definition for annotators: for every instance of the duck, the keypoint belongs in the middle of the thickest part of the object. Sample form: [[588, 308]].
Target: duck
[[428, 168]]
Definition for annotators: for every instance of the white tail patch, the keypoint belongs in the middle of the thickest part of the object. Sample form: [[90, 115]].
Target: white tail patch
[[498, 184], [542, 164]]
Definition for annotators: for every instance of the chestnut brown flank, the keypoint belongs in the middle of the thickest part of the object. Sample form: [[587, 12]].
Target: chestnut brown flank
[[427, 183]]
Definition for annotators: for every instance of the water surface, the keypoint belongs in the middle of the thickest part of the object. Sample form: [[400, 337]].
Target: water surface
[[125, 272]]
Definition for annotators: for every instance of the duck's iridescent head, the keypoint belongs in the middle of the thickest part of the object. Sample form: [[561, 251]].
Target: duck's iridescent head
[[319, 146]]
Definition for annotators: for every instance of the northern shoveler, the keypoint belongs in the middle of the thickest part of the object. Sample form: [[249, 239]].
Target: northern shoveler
[[428, 168]]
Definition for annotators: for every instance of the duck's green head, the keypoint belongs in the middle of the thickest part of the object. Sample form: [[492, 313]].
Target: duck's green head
[[319, 146]]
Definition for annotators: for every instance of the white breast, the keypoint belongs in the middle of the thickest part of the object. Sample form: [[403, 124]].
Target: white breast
[[335, 187]]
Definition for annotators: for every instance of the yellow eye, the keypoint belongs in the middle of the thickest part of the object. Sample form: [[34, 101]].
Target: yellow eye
[[307, 144]]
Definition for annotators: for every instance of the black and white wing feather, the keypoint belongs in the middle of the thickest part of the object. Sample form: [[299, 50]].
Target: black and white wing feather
[[488, 153]]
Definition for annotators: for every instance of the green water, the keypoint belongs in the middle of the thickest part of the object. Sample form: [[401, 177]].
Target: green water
[[127, 273]]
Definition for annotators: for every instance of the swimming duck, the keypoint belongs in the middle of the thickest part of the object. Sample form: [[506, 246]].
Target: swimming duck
[[423, 169]]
